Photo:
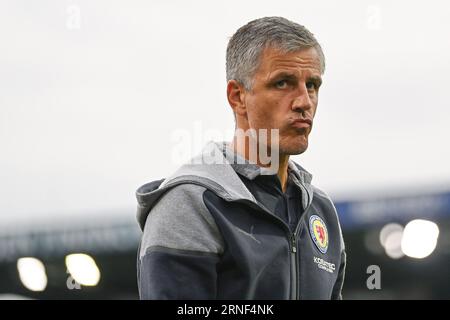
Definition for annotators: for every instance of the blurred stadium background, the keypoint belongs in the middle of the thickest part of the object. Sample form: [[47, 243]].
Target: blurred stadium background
[[94, 95], [407, 237]]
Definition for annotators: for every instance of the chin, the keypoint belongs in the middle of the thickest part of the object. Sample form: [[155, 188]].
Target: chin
[[294, 148], [293, 143]]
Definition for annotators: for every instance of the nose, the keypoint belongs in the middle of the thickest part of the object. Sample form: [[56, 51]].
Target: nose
[[302, 102]]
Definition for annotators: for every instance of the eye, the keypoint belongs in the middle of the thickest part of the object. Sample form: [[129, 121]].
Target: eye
[[282, 84], [311, 85]]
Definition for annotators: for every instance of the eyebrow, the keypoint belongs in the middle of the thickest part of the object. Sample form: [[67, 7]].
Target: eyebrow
[[316, 79], [284, 74], [290, 75]]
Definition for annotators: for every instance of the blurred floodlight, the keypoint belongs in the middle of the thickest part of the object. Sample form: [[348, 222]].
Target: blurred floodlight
[[419, 238], [32, 273], [393, 244], [83, 269], [391, 239], [387, 230]]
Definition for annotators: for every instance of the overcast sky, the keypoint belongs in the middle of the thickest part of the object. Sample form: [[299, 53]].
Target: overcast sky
[[94, 93]]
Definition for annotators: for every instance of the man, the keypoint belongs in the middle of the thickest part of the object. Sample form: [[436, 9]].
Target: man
[[240, 227]]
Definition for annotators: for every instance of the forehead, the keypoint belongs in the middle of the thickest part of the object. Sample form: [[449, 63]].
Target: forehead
[[273, 59]]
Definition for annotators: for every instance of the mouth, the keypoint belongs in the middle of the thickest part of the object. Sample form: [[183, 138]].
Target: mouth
[[301, 123]]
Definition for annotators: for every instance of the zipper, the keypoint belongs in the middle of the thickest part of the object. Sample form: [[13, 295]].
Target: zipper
[[293, 254], [294, 264], [294, 267], [295, 270], [293, 250]]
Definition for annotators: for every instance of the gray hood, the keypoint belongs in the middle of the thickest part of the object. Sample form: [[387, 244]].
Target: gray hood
[[213, 170]]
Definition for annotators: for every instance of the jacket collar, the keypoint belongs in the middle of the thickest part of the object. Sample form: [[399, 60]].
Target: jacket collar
[[212, 170], [252, 170]]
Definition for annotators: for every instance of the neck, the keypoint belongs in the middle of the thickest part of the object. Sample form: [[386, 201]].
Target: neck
[[282, 171], [243, 149]]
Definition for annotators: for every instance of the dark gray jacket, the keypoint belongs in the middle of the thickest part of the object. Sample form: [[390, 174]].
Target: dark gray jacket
[[207, 237]]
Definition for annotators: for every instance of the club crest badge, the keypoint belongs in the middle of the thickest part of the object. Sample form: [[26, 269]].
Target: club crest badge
[[319, 233]]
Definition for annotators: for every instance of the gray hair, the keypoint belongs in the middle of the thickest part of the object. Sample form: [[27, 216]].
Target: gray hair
[[247, 44]]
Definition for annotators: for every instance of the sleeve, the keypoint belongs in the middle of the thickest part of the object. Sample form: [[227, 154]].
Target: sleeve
[[337, 289], [336, 294], [180, 248]]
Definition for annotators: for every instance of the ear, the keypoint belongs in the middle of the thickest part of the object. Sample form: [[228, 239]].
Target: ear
[[236, 97]]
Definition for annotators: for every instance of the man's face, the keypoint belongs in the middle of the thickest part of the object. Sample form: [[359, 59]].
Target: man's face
[[285, 91]]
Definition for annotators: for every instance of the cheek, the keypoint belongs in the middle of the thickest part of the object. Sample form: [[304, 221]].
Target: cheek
[[262, 111]]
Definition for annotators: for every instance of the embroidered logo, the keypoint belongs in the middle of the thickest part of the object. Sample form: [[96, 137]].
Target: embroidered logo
[[319, 233]]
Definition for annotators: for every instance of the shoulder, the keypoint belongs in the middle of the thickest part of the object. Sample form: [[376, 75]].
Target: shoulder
[[321, 193], [180, 220]]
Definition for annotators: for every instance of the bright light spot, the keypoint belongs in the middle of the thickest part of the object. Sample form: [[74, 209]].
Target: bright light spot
[[420, 238], [391, 239], [392, 245], [387, 230], [32, 273], [83, 269]]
